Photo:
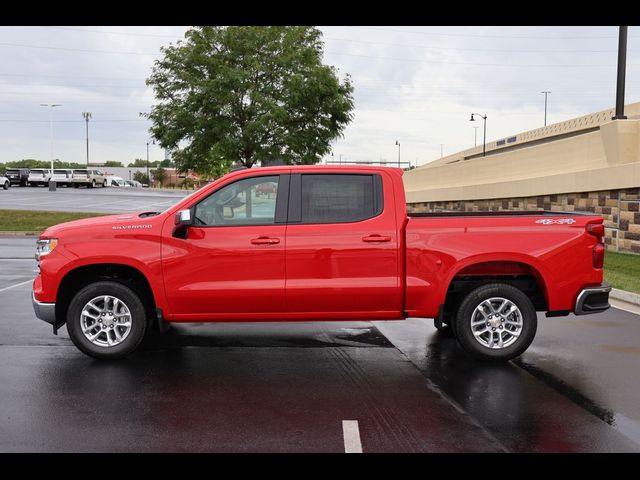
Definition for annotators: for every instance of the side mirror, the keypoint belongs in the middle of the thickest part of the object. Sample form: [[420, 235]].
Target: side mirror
[[184, 218]]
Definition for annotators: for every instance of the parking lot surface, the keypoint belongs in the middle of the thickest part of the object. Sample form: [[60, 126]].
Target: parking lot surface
[[108, 200], [276, 387]]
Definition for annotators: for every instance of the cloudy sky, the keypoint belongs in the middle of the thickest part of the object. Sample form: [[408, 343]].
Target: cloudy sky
[[414, 84]]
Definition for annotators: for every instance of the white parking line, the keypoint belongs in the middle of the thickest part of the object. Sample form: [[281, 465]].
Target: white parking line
[[351, 432], [16, 285]]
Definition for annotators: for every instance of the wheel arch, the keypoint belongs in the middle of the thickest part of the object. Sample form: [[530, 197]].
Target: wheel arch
[[519, 272], [81, 276]]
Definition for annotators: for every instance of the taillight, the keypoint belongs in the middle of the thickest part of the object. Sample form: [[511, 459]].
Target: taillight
[[597, 230], [598, 256]]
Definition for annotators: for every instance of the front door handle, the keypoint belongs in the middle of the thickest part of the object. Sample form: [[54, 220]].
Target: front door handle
[[265, 241], [376, 238]]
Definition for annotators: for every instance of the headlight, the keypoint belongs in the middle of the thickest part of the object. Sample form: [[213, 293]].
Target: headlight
[[45, 247]]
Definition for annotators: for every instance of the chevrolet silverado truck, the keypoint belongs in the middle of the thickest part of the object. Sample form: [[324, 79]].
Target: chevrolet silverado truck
[[326, 243]]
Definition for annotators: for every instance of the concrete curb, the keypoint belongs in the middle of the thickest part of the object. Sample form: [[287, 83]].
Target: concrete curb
[[625, 296]]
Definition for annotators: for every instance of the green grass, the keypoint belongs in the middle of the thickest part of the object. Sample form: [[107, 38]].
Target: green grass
[[622, 270], [36, 221]]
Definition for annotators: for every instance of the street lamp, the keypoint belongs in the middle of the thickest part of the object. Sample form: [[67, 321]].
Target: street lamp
[[398, 144], [484, 138], [545, 106], [51, 107], [87, 116], [148, 177]]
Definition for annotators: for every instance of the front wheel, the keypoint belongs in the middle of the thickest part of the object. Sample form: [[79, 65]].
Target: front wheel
[[6, 185], [104, 184], [496, 322], [106, 320]]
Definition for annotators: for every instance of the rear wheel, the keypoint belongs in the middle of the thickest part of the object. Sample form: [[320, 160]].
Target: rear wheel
[[6, 185], [106, 320], [93, 183], [104, 184], [496, 322]]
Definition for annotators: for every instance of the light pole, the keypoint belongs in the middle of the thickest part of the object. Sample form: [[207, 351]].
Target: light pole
[[622, 70], [441, 150], [398, 144], [545, 106], [87, 116], [51, 107], [475, 135], [148, 177], [484, 138]]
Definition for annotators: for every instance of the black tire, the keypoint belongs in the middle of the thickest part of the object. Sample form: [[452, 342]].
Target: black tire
[[464, 333], [138, 320], [6, 185], [93, 183], [104, 184]]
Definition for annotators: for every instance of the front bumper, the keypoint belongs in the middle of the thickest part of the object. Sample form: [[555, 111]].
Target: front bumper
[[593, 300], [44, 311]]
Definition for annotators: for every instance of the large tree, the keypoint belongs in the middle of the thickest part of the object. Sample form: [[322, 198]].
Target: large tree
[[247, 95]]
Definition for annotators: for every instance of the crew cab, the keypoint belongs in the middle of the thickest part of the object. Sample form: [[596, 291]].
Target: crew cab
[[330, 243]]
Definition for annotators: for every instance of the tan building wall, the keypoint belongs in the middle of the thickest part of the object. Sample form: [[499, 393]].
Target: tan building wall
[[589, 164]]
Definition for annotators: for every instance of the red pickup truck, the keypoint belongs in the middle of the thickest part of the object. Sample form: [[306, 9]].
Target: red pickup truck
[[330, 243]]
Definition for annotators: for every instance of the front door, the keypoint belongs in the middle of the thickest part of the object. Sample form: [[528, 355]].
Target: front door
[[231, 264]]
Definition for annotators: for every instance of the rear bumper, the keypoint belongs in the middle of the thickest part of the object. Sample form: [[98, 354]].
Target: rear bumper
[[44, 311], [593, 300]]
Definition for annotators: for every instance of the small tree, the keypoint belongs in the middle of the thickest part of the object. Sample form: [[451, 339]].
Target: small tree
[[113, 163], [159, 175], [141, 177]]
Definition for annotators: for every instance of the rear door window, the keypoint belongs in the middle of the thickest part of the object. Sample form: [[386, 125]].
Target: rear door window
[[339, 198]]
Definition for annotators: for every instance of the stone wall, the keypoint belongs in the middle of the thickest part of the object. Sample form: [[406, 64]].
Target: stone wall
[[620, 209]]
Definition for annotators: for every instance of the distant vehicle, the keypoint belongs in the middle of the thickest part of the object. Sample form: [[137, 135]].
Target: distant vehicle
[[18, 176], [114, 181], [4, 181], [63, 177], [83, 177], [39, 176], [133, 183]]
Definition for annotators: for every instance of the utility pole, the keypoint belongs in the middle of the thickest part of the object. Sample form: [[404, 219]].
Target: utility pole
[[398, 144], [441, 149], [622, 71], [545, 106], [475, 135], [51, 107], [148, 177], [87, 116]]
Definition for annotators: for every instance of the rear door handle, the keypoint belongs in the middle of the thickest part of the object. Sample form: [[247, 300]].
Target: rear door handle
[[376, 238], [265, 241]]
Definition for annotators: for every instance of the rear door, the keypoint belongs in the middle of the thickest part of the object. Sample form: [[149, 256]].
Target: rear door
[[342, 247]]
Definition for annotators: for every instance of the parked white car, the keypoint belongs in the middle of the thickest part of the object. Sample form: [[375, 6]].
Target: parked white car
[[4, 181], [63, 177], [39, 176], [114, 181]]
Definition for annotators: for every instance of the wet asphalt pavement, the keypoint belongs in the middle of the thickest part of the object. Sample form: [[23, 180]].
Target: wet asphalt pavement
[[274, 387]]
